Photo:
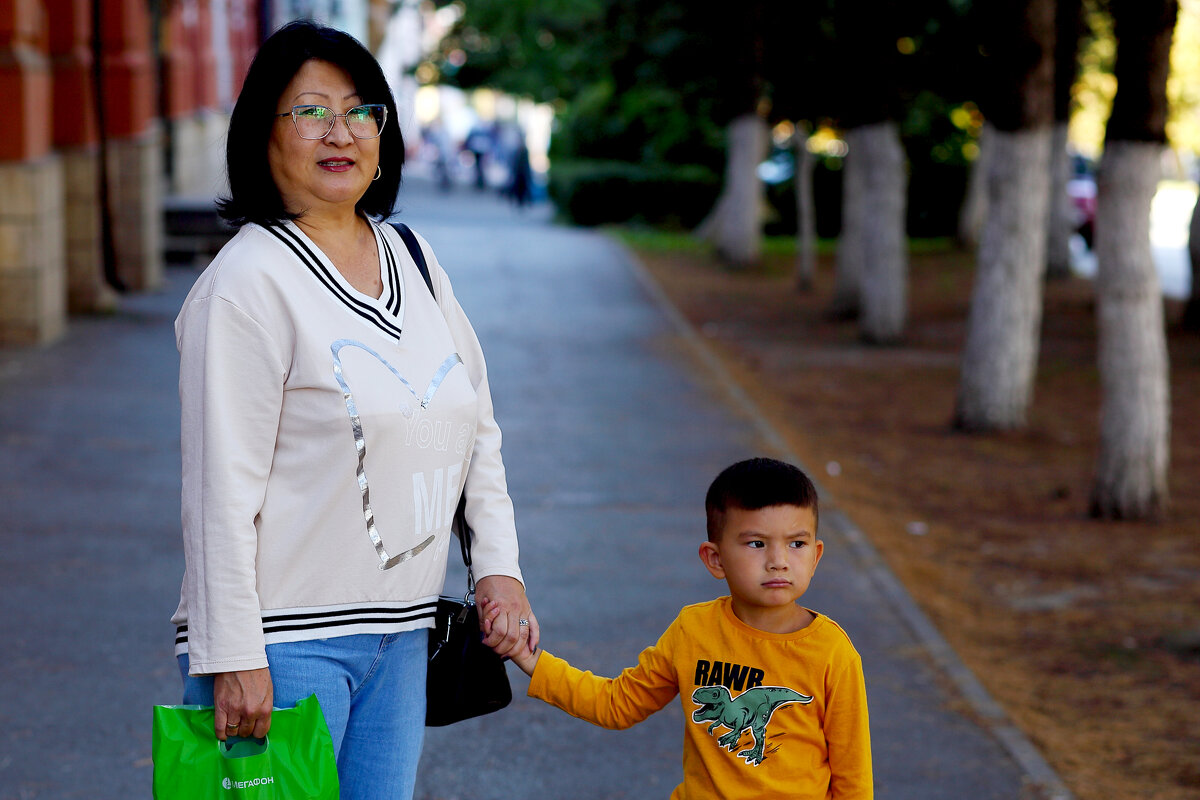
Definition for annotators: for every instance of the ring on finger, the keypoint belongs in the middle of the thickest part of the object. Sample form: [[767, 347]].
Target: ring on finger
[[524, 623], [233, 726]]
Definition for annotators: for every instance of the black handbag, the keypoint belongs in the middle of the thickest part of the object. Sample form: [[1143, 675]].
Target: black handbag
[[465, 678]]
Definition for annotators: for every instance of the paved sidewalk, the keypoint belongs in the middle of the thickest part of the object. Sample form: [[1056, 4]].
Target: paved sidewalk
[[615, 421]]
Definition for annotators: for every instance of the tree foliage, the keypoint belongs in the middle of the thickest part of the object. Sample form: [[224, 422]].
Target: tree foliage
[[1097, 84], [656, 81], [631, 81], [543, 49]]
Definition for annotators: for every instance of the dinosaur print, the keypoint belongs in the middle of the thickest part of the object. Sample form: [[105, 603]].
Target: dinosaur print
[[751, 709]]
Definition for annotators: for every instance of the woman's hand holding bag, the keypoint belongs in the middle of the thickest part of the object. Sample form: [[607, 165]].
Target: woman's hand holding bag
[[294, 762]]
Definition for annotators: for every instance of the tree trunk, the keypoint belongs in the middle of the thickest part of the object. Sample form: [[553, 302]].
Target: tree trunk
[[734, 226], [806, 214], [884, 285], [1001, 351], [1060, 223], [1135, 428], [1191, 310], [974, 207], [868, 99], [1000, 357], [851, 248], [1131, 476]]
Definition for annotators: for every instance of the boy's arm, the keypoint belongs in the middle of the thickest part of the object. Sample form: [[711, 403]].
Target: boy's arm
[[608, 702], [526, 660], [615, 703], [848, 734]]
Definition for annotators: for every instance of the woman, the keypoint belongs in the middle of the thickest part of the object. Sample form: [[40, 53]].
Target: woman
[[332, 411]]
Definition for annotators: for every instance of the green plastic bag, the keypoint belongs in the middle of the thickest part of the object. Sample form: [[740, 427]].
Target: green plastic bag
[[294, 762]]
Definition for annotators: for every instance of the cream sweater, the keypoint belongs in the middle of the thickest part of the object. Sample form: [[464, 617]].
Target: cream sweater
[[326, 436]]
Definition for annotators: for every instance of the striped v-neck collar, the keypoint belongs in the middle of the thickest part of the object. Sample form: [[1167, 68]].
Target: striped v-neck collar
[[391, 271], [383, 313]]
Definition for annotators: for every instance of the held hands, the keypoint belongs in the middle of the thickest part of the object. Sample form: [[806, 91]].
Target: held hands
[[242, 703], [504, 632], [524, 657]]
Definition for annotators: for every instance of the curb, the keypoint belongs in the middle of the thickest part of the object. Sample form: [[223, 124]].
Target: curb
[[1039, 775]]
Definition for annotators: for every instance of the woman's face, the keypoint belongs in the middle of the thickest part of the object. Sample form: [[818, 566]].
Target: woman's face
[[316, 176]]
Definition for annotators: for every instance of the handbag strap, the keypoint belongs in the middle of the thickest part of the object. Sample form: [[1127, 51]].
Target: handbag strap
[[414, 250], [459, 526], [461, 529]]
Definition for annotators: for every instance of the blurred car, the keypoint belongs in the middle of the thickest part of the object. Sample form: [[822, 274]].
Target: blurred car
[[778, 168], [1081, 189]]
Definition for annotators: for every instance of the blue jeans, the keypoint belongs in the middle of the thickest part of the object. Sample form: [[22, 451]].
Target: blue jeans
[[372, 691]]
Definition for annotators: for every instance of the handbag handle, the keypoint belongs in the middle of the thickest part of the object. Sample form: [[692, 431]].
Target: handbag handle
[[462, 530], [459, 526], [414, 250]]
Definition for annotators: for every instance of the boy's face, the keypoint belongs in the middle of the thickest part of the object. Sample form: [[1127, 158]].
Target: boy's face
[[767, 556]]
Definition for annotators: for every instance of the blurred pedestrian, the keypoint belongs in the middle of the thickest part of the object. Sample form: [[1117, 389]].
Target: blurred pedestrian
[[479, 143], [520, 186], [438, 146], [310, 340]]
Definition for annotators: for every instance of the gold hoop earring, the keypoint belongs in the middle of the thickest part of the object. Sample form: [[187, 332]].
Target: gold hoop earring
[[378, 173]]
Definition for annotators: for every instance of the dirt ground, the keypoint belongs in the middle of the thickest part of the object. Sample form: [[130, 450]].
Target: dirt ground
[[1087, 632]]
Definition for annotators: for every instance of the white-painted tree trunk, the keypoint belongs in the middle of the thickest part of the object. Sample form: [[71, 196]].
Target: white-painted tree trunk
[[806, 214], [734, 226], [851, 248], [1060, 224], [1004, 325], [1131, 473], [884, 308], [974, 207]]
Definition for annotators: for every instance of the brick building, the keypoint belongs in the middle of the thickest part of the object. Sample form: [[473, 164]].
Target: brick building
[[116, 105]]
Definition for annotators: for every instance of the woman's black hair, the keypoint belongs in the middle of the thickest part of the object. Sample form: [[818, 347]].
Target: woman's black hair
[[253, 195]]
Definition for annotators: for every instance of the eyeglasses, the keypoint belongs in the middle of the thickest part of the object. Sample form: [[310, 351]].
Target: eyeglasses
[[315, 122]]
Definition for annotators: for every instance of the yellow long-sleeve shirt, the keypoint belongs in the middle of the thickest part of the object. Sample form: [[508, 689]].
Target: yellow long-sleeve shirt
[[766, 715]]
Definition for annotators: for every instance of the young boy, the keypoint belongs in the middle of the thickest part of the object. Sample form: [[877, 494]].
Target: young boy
[[773, 693]]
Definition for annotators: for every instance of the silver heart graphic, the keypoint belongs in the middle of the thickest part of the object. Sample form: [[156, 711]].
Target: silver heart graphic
[[360, 442]]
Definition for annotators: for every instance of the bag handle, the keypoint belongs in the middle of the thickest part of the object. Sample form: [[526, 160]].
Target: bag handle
[[459, 526], [414, 250], [462, 530]]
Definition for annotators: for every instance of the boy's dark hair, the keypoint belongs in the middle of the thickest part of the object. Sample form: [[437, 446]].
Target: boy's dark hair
[[253, 195], [757, 483]]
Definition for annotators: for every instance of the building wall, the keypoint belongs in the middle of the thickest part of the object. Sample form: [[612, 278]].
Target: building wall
[[88, 163], [32, 268], [76, 138]]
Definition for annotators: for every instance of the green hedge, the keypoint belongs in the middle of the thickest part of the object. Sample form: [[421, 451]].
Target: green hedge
[[598, 192]]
